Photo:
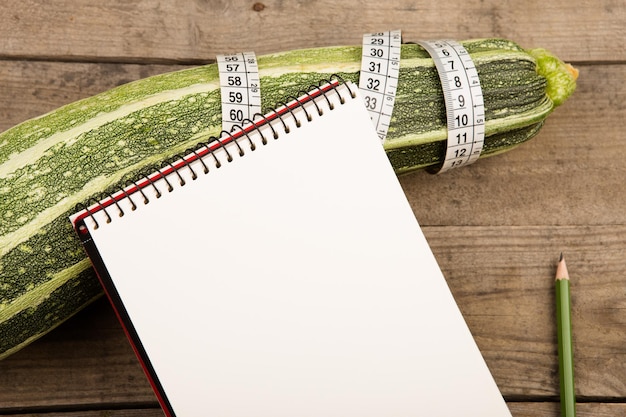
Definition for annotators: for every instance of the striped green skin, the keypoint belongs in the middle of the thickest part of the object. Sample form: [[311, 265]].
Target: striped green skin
[[50, 164]]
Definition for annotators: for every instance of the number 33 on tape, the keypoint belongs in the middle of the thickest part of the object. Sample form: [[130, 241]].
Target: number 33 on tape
[[239, 87]]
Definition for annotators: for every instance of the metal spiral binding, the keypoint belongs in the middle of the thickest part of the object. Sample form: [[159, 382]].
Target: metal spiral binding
[[206, 151]]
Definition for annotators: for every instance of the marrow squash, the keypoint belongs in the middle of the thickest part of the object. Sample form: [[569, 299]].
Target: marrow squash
[[50, 164]]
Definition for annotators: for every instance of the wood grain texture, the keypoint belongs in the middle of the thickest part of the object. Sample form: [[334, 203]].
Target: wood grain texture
[[552, 409], [518, 409], [496, 227], [143, 412], [197, 30], [503, 281]]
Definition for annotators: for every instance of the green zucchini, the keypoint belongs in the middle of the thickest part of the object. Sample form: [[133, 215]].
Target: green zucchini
[[50, 164]]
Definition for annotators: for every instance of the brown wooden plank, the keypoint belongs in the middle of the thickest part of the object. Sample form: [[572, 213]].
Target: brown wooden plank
[[149, 412], [191, 31], [552, 410], [502, 278], [518, 409]]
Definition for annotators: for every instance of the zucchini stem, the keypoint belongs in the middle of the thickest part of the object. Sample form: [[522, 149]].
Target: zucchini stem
[[561, 77]]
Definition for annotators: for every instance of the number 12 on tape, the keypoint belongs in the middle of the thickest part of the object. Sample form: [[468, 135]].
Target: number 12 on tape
[[378, 82], [239, 88]]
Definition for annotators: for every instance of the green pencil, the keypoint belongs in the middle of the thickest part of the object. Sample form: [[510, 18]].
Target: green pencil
[[564, 329]]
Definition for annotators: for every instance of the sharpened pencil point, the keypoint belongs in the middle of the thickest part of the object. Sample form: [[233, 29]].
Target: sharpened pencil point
[[561, 269]]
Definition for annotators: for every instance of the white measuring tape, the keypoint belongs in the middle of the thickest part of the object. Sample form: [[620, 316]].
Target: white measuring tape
[[378, 81], [465, 108], [240, 88]]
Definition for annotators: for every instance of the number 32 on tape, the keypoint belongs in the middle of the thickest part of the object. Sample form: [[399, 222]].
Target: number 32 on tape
[[239, 87]]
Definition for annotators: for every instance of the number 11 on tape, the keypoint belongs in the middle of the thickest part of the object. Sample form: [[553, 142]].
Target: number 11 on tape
[[378, 81]]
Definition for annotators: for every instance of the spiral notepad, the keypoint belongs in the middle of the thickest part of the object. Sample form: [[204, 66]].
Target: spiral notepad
[[278, 270]]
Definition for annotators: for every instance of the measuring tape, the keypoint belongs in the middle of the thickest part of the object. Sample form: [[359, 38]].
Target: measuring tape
[[465, 108], [239, 87], [378, 82]]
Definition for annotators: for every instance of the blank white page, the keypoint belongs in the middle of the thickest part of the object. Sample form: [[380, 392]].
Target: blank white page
[[294, 281]]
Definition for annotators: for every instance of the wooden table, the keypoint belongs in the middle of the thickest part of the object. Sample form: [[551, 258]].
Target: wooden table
[[496, 227]]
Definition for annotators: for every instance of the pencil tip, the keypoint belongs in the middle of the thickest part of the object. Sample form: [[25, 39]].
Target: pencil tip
[[561, 270]]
